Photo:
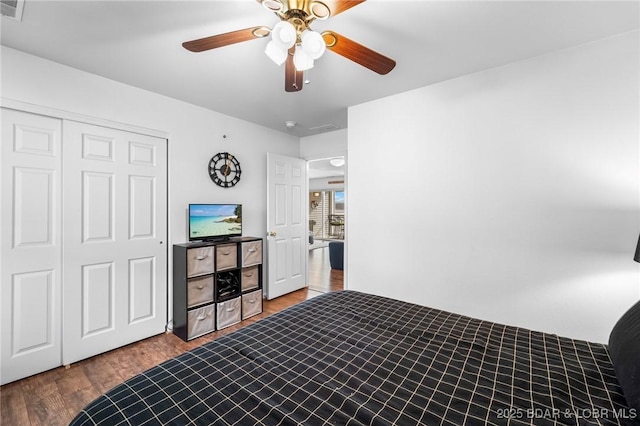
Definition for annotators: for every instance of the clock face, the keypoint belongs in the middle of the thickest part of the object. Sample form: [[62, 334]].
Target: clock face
[[224, 170]]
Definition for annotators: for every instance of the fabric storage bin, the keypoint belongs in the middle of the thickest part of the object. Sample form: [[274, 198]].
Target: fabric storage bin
[[251, 304], [226, 256], [251, 253], [228, 313], [201, 321], [250, 278], [199, 290], [200, 261]]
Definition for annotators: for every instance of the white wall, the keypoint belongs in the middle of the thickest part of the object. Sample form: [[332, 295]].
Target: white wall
[[195, 134], [511, 194], [324, 145]]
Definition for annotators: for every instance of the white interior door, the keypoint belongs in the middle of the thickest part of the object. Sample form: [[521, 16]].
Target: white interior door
[[287, 239], [115, 223], [30, 238]]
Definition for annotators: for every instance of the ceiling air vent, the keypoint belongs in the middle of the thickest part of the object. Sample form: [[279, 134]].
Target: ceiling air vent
[[323, 128], [12, 8]]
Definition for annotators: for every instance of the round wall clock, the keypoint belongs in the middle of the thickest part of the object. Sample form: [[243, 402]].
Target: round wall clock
[[224, 169]]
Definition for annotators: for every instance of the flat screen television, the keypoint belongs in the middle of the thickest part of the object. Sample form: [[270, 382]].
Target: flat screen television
[[210, 222]]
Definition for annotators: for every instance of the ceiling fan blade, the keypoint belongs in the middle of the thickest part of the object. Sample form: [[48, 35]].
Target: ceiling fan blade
[[339, 6], [358, 53], [226, 39], [292, 77]]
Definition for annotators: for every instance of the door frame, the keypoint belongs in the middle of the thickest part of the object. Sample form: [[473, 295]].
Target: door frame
[[346, 205]]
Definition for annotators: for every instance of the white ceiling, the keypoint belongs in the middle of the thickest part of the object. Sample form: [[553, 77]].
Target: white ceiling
[[324, 169], [139, 43]]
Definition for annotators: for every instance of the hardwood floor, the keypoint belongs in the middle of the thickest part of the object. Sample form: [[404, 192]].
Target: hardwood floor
[[56, 396], [321, 277]]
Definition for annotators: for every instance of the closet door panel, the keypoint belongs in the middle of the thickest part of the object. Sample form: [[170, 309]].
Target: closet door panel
[[30, 221], [97, 206], [115, 199], [97, 298], [141, 289]]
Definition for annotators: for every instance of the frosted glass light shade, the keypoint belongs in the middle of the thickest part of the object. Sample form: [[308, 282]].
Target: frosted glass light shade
[[337, 162], [312, 43], [301, 60], [275, 53], [284, 35]]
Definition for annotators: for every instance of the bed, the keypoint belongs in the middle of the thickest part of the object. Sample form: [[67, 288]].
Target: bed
[[354, 358]]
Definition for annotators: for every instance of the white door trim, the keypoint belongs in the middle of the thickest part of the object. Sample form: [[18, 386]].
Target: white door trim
[[82, 118]]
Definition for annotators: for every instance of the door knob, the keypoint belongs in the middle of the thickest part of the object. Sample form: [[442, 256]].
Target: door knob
[[272, 234]]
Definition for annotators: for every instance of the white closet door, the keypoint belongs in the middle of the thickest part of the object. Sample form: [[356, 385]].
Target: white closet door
[[30, 237], [115, 224]]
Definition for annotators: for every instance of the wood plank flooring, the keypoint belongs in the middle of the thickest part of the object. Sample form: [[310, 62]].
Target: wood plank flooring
[[56, 396], [321, 277]]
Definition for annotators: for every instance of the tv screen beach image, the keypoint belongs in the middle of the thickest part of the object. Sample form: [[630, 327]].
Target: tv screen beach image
[[215, 220]]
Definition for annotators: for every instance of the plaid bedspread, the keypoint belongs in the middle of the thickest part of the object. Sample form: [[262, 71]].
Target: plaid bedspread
[[358, 359]]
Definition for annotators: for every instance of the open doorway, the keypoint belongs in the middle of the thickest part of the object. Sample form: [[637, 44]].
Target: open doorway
[[327, 220]]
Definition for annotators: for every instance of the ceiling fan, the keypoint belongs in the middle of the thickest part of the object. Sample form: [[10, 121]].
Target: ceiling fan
[[295, 44]]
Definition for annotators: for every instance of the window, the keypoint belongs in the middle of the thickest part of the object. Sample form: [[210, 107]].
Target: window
[[326, 214]]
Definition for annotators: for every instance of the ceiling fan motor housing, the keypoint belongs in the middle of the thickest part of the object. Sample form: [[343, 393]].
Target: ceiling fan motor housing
[[306, 10]]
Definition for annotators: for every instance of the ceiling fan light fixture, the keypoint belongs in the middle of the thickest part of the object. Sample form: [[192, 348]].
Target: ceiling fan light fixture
[[337, 162], [312, 43], [284, 35], [302, 60], [275, 53], [272, 5]]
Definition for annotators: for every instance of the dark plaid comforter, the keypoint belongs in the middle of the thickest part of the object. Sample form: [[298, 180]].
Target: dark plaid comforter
[[354, 358]]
